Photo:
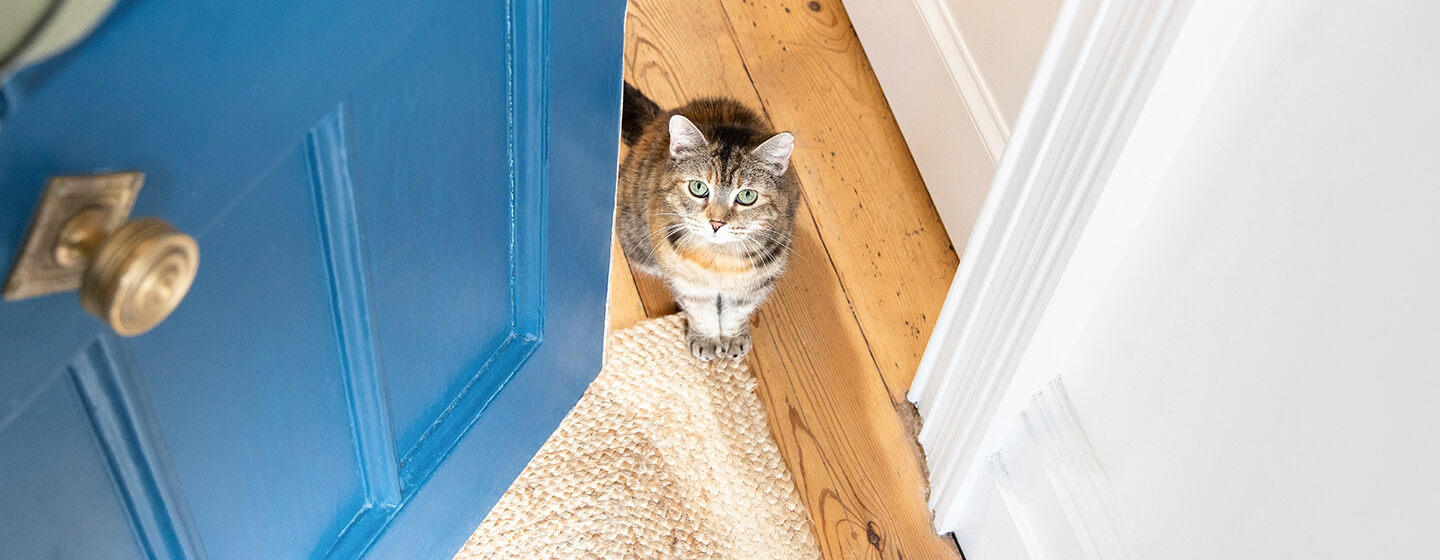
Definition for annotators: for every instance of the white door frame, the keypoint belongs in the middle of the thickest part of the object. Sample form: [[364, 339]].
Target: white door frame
[[1115, 95]]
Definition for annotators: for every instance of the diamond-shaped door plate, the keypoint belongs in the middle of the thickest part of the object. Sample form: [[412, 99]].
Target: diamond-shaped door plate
[[37, 271]]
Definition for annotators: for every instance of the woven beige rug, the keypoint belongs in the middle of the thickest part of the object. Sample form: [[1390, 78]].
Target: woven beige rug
[[665, 457]]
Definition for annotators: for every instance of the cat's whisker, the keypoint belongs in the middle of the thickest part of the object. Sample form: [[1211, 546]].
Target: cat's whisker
[[664, 230], [780, 240], [732, 266], [762, 249], [784, 241], [744, 251], [775, 233], [687, 243], [752, 254], [653, 244]]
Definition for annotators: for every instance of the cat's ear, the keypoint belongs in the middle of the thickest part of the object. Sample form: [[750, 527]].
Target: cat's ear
[[775, 152], [684, 137]]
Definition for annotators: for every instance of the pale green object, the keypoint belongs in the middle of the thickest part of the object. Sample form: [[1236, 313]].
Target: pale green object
[[699, 189], [33, 30]]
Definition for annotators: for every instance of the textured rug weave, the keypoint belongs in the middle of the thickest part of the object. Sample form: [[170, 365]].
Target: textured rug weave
[[665, 457]]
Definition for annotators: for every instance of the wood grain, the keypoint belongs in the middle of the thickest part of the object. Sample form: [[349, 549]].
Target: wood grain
[[892, 254], [828, 404], [833, 418], [625, 306], [655, 296]]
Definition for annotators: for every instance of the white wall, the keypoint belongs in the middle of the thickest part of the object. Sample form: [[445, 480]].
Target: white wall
[[1260, 378]]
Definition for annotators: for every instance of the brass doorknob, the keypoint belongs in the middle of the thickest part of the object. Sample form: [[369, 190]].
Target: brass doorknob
[[130, 275], [139, 275]]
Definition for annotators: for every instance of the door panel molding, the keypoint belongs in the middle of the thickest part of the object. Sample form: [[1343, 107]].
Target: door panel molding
[[999, 474], [127, 433], [527, 147], [528, 121], [351, 302], [1117, 90], [1095, 511]]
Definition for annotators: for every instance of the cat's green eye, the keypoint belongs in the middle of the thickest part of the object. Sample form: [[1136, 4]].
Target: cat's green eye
[[699, 189], [746, 197]]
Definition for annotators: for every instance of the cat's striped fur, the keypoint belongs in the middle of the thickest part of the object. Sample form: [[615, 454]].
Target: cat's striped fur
[[719, 257]]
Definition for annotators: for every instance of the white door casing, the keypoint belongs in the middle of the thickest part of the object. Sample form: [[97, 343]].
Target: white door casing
[[1116, 91], [1098, 115], [1196, 317]]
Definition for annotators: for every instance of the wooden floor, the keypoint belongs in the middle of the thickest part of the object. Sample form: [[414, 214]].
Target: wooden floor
[[837, 345]]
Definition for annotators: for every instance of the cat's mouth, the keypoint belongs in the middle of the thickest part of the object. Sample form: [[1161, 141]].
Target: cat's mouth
[[723, 235]]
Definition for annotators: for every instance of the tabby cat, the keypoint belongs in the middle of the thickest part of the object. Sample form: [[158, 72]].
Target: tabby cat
[[707, 203]]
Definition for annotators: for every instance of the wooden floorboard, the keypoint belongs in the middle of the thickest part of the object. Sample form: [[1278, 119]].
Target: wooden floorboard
[[822, 381], [889, 247], [832, 416], [626, 308]]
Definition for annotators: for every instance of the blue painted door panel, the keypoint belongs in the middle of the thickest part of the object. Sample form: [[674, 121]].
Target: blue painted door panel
[[403, 212]]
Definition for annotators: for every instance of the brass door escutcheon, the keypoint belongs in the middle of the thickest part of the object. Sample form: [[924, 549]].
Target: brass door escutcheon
[[131, 274]]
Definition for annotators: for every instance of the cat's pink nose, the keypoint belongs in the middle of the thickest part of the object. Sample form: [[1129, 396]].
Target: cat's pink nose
[[715, 224]]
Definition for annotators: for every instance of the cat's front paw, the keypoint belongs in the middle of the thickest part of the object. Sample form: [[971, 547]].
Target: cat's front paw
[[735, 347], [705, 348], [710, 348]]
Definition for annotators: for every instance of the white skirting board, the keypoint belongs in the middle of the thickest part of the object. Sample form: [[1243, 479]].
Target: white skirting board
[[966, 76], [1116, 91]]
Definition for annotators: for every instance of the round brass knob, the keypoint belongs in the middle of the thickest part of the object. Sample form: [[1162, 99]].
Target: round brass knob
[[138, 274], [131, 274]]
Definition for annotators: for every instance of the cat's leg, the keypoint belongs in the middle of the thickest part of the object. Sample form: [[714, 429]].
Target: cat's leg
[[718, 324], [702, 313], [735, 311]]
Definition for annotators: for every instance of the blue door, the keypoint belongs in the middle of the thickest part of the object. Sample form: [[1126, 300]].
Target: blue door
[[402, 211]]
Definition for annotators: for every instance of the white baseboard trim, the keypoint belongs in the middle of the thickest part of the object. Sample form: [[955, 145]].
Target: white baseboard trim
[[965, 74], [953, 136], [1102, 58]]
